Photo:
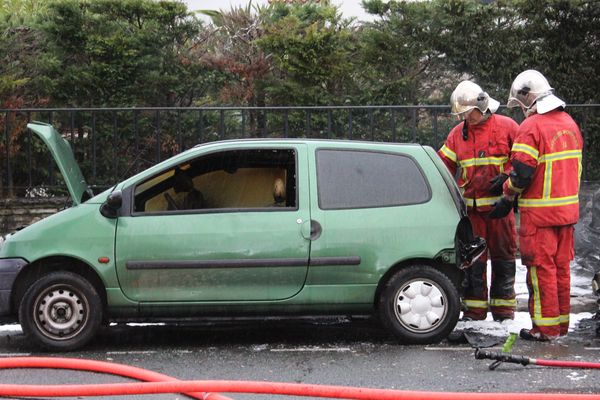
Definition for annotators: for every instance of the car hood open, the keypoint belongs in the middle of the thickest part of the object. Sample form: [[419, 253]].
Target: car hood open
[[62, 153]]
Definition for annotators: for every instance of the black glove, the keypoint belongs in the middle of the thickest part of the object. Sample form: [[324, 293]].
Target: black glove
[[496, 184], [501, 208]]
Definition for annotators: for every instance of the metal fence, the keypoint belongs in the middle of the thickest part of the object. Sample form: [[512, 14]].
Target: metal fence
[[111, 144]]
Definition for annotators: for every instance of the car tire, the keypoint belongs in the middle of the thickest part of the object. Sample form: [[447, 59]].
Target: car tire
[[61, 311], [419, 305]]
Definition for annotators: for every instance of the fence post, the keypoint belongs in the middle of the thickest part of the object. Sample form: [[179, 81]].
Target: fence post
[[329, 124], [157, 128], [350, 123], [179, 135], [94, 161], [243, 123], [50, 159], [393, 117], [222, 125], [115, 146], [413, 123], [200, 135], [371, 127], [9, 183], [435, 129], [29, 154], [136, 138], [72, 128]]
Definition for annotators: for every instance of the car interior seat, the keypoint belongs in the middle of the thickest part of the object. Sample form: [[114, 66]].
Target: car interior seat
[[279, 193], [192, 198]]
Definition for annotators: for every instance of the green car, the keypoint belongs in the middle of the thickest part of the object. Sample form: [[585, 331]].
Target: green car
[[277, 227]]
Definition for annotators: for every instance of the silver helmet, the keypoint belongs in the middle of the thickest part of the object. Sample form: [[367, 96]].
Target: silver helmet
[[531, 88], [468, 96]]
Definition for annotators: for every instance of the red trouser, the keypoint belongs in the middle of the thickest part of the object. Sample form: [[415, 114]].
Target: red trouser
[[547, 252], [501, 236]]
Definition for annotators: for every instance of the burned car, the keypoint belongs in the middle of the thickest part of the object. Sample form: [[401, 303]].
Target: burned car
[[252, 227]]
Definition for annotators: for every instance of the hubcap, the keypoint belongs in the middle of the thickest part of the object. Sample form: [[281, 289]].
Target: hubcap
[[60, 312], [420, 305]]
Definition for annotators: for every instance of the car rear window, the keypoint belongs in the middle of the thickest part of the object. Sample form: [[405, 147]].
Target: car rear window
[[361, 179]]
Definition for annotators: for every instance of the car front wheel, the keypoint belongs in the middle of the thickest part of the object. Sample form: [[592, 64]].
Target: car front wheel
[[419, 305], [61, 311]]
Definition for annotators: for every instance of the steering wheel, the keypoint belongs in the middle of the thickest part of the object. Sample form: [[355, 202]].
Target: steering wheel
[[171, 201]]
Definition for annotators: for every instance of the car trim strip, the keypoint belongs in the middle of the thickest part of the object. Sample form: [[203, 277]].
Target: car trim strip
[[242, 263], [327, 261]]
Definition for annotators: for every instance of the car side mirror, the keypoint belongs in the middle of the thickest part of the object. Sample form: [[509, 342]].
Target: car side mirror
[[110, 208]]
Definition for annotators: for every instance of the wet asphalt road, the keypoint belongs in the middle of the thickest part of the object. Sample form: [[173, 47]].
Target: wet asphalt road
[[333, 352]]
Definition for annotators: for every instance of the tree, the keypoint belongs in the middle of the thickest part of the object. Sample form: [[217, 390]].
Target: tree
[[397, 54], [231, 49], [312, 50], [21, 44], [114, 53]]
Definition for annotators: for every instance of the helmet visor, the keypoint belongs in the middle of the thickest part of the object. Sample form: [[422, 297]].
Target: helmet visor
[[461, 109], [514, 102]]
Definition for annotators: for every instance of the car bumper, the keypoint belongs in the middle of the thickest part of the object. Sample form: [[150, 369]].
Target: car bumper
[[9, 269]]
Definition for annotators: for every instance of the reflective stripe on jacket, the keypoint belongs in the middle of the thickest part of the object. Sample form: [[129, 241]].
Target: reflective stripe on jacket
[[481, 157], [552, 144]]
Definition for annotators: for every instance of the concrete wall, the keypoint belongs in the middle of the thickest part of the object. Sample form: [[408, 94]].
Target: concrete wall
[[18, 213]]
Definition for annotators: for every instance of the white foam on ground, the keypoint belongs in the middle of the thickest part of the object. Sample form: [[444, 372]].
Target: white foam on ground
[[580, 285], [522, 320]]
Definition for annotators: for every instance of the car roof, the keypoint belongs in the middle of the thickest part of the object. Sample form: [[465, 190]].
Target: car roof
[[332, 142]]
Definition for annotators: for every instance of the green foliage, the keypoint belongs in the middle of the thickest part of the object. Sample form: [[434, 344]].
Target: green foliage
[[122, 53], [21, 12], [564, 39], [397, 54], [231, 50], [313, 51]]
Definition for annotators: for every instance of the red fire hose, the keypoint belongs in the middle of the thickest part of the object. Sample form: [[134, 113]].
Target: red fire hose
[[516, 359], [169, 385], [96, 366]]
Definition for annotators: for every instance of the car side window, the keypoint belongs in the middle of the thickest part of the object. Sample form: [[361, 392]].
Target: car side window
[[235, 179], [361, 179]]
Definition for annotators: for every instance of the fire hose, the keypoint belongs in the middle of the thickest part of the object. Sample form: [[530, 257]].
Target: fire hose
[[164, 384], [96, 366], [510, 358]]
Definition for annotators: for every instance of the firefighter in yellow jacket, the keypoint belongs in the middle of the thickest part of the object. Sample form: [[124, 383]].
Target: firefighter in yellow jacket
[[478, 148], [546, 169]]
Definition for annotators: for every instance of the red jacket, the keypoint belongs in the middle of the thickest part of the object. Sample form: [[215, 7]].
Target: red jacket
[[552, 144], [482, 156]]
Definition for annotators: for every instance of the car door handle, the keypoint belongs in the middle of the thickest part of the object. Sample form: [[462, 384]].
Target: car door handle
[[311, 229]]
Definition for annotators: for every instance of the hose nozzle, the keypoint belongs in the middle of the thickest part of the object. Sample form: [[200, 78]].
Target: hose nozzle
[[502, 357]]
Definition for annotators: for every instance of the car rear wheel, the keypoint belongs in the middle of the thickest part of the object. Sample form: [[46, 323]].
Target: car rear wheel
[[61, 311], [419, 305]]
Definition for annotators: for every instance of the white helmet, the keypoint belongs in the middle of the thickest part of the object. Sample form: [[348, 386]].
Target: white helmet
[[469, 95], [532, 88]]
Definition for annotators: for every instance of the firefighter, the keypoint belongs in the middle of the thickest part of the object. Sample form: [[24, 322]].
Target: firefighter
[[478, 149], [546, 170]]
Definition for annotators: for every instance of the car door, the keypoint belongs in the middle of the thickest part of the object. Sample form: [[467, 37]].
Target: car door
[[373, 209], [243, 244]]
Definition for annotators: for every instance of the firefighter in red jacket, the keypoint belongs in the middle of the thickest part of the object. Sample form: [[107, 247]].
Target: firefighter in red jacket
[[546, 169], [478, 149]]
